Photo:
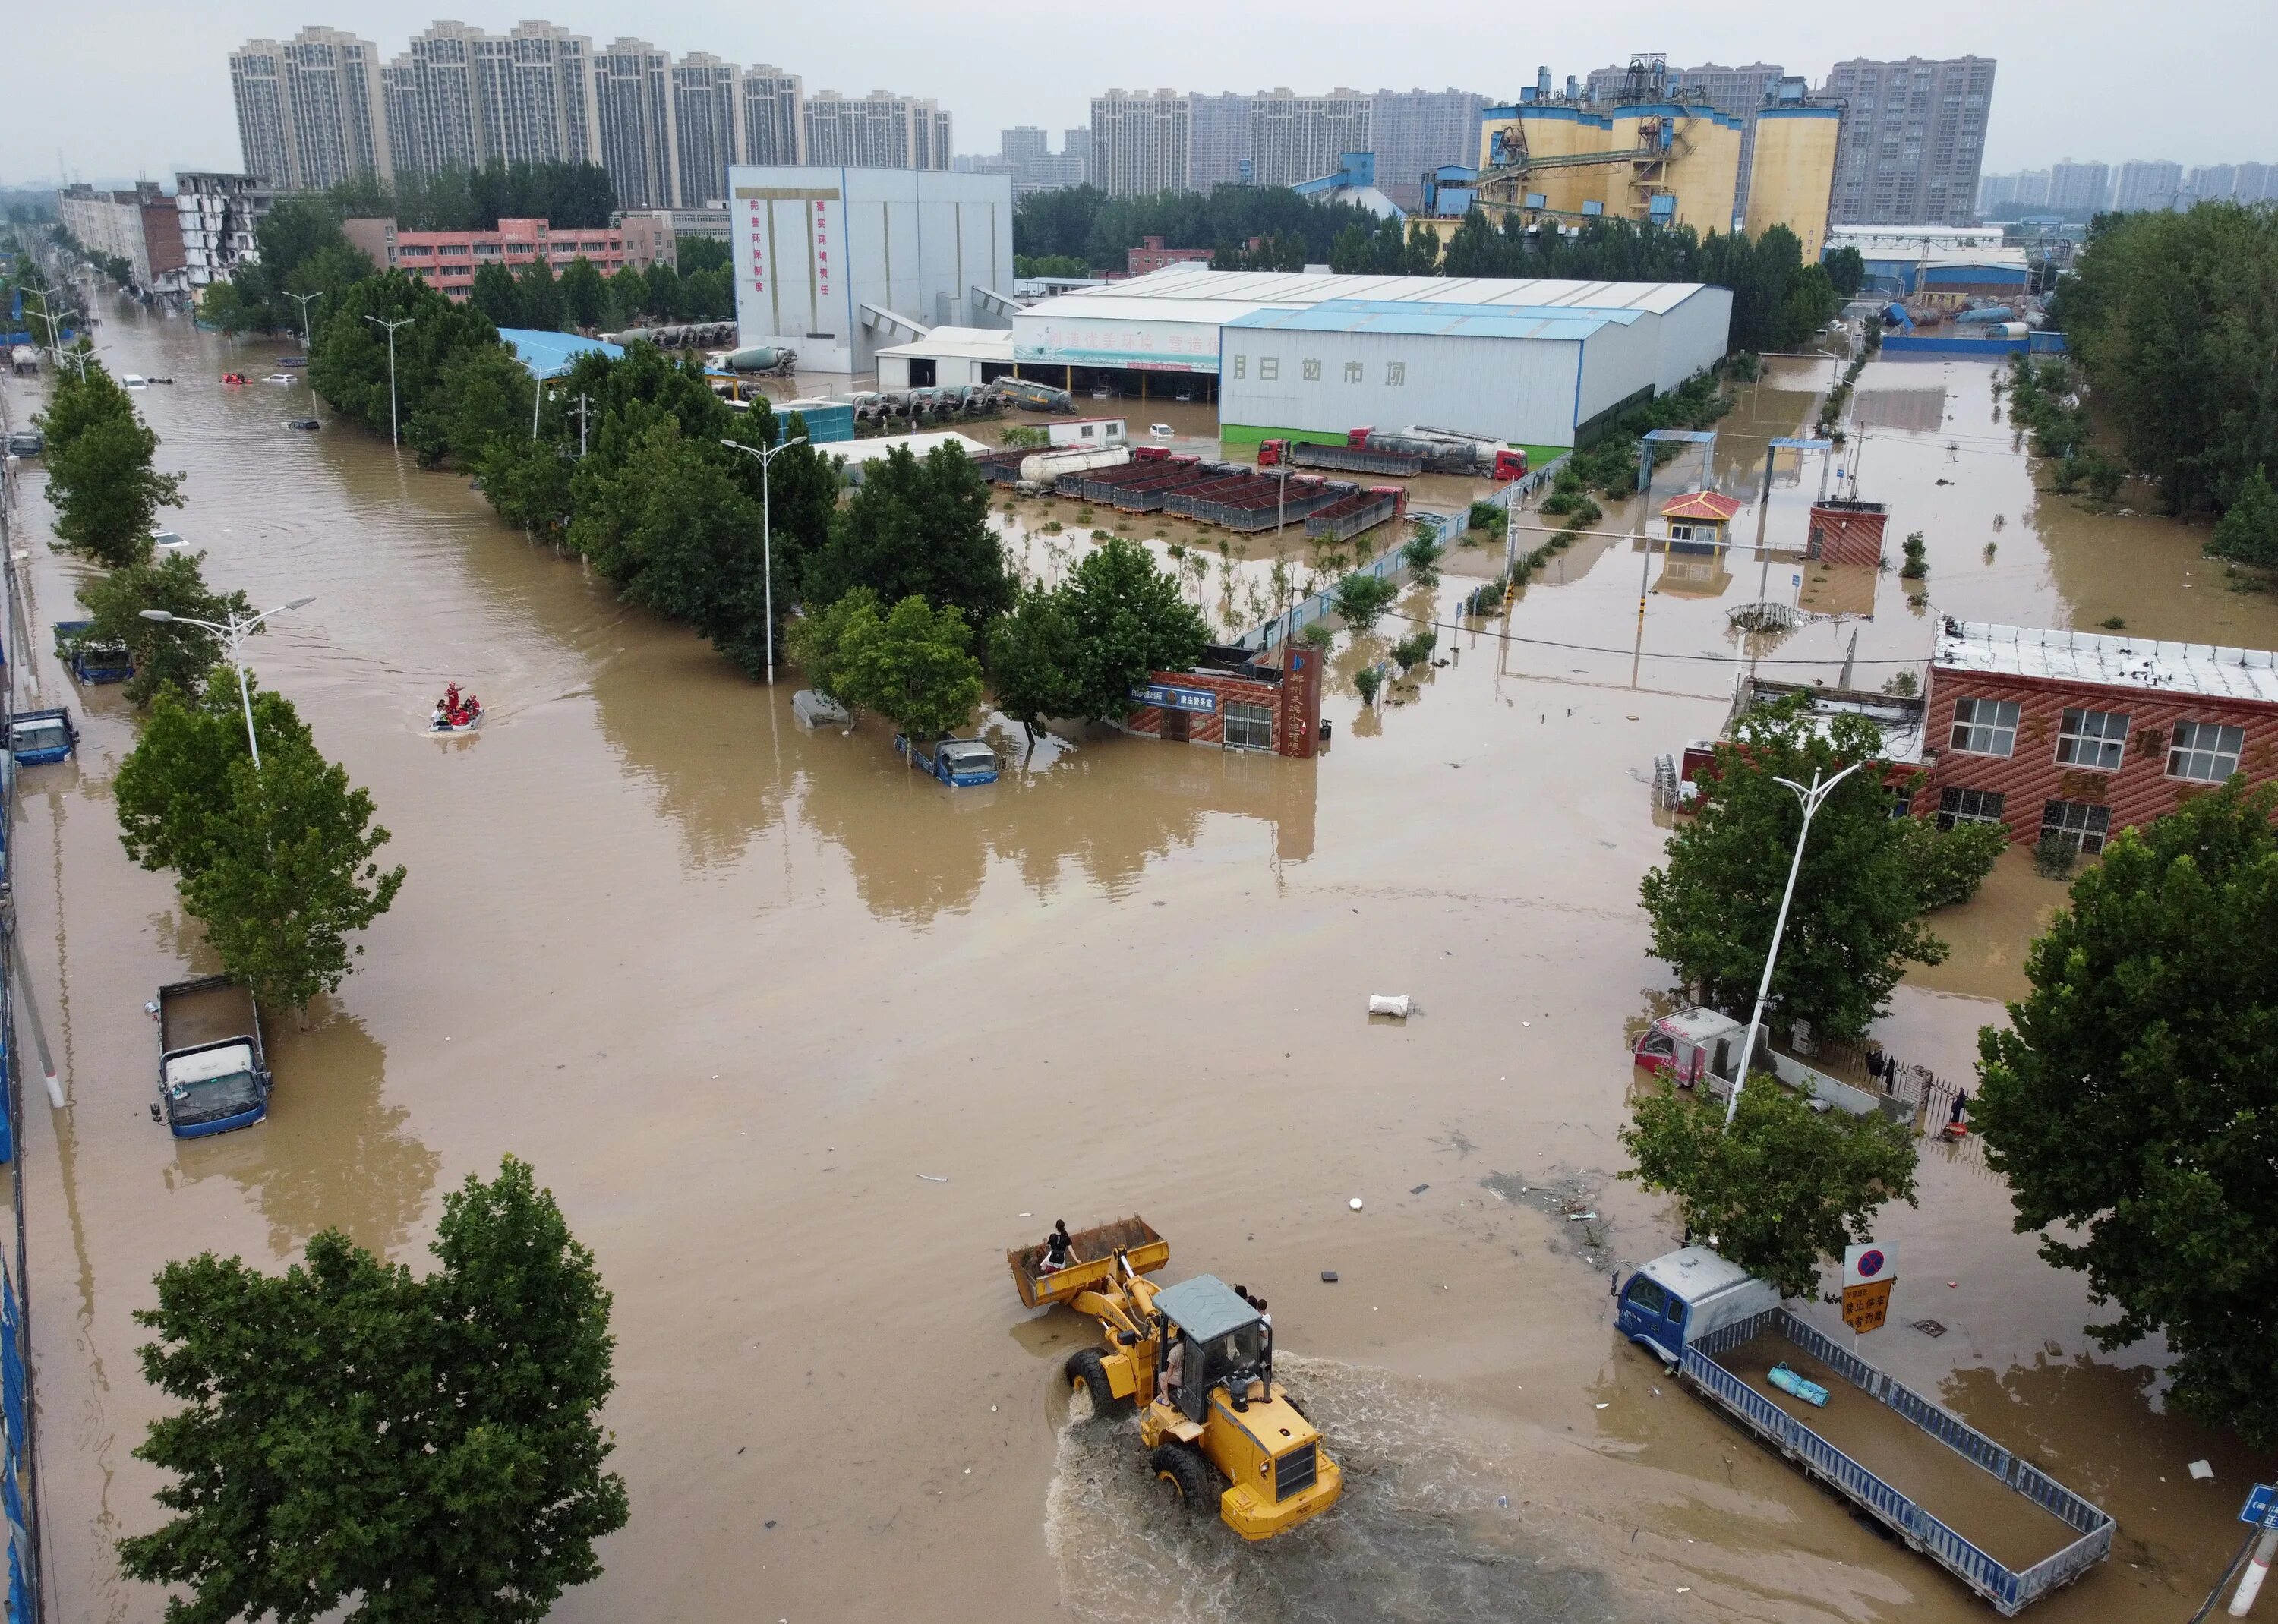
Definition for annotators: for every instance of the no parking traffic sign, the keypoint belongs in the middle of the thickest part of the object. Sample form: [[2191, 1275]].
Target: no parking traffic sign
[[1869, 1271]]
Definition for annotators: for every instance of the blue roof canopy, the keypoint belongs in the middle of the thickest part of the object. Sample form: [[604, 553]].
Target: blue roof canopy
[[551, 355]]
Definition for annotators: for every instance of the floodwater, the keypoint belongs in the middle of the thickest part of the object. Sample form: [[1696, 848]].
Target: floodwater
[[804, 1042]]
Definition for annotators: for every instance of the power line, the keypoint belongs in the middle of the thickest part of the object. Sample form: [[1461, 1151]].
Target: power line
[[1591, 648]]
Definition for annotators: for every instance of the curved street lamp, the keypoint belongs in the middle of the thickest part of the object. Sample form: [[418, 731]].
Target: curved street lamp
[[235, 630]]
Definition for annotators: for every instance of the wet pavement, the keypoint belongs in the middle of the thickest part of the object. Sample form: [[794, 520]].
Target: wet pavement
[[803, 1042]]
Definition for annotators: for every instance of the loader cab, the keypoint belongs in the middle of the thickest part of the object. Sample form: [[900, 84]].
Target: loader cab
[[1220, 1336]]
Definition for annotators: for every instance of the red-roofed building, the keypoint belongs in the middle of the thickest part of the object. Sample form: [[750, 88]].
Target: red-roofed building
[[448, 260], [1702, 518]]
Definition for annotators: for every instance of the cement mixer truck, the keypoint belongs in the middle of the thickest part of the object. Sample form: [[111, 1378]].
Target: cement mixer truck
[[772, 360]]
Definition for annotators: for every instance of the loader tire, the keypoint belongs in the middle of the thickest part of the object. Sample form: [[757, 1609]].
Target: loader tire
[[1181, 1466], [1086, 1369]]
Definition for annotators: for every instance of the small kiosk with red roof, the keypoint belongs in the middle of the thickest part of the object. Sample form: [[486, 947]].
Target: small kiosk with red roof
[[1700, 522]]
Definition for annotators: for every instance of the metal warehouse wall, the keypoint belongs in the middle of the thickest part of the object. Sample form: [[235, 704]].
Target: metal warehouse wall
[[1055, 340], [1693, 336], [1618, 360], [813, 243], [1520, 389]]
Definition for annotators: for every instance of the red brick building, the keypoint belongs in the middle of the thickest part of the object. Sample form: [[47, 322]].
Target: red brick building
[[2082, 734], [1153, 255], [1233, 701], [448, 260], [1847, 532]]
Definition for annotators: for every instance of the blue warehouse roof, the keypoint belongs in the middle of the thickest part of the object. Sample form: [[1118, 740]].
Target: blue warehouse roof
[[1564, 322], [550, 354]]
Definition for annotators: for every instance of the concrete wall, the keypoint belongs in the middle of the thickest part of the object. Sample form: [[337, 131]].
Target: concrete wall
[[813, 244], [1793, 173], [1523, 389]]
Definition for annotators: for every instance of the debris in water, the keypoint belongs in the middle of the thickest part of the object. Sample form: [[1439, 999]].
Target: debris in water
[[2203, 1471], [1581, 1217], [1328, 1276], [1930, 1328], [1395, 1004], [1608, 1405], [1353, 1203], [1420, 1189], [935, 1178], [1504, 1501]]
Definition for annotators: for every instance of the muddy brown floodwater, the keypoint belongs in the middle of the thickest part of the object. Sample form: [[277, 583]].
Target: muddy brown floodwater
[[803, 1042]]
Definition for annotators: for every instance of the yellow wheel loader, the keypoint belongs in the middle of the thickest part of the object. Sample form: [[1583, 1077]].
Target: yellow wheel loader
[[1198, 1359]]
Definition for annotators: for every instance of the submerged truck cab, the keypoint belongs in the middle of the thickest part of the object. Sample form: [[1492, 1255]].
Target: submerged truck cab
[[1688, 1294], [37, 737], [213, 1075]]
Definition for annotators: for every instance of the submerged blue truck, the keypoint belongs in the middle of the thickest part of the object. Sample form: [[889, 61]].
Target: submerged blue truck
[[959, 763], [1990, 1518], [213, 1075]]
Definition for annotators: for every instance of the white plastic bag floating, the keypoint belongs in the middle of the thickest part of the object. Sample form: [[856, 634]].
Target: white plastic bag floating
[[1389, 1003]]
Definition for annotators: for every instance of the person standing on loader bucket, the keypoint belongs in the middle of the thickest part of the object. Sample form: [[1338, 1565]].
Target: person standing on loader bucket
[[1198, 1358]]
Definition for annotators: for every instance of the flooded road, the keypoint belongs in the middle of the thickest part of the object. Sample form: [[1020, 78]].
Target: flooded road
[[803, 1042]]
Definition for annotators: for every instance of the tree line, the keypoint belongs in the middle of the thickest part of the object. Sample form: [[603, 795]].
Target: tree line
[[457, 199], [1083, 223], [275, 861]]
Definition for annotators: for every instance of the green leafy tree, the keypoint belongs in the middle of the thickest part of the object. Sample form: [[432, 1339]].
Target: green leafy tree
[[819, 641], [174, 783], [484, 395], [100, 479], [1130, 622], [1949, 865], [917, 529], [1035, 661], [354, 1441], [539, 295], [496, 295], [167, 654], [1856, 919], [1361, 599], [583, 293], [287, 875], [1423, 553], [915, 667], [2248, 534], [1784, 1189], [1413, 650], [1847, 272], [349, 365], [2133, 1104]]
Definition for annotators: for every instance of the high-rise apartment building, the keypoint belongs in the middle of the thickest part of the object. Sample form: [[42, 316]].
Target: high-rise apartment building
[[310, 112], [436, 85], [2003, 195], [1295, 138], [1077, 144], [1415, 132], [534, 96], [1022, 143], [2074, 187], [2255, 183], [704, 111], [774, 120], [879, 131], [1140, 143], [2146, 183], [1912, 140], [1217, 146], [633, 97], [2209, 183]]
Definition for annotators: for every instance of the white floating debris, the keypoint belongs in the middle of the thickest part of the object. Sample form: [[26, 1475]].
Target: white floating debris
[[935, 1178], [1608, 1405], [2201, 1470], [1389, 1003], [1353, 1203]]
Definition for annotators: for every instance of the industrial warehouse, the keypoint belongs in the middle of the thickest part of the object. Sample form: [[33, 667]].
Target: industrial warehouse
[[1306, 356]]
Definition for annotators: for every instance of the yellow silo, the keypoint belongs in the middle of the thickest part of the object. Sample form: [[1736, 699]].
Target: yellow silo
[[1793, 172]]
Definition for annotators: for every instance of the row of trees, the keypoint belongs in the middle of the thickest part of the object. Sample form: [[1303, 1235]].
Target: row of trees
[[275, 861], [2169, 315], [1084, 224], [457, 199]]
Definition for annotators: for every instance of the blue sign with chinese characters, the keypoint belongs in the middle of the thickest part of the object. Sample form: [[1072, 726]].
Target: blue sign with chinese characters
[[1199, 700], [2261, 1505]]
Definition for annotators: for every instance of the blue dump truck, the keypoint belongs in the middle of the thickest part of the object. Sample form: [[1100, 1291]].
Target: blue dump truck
[[1997, 1522], [88, 659], [37, 737], [957, 762], [213, 1075]]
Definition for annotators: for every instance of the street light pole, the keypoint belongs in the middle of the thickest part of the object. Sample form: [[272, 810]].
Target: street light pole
[[393, 437], [1813, 799], [304, 299], [236, 631], [767, 536]]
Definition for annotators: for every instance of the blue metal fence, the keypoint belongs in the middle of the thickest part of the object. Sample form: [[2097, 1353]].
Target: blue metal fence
[[2007, 1590]]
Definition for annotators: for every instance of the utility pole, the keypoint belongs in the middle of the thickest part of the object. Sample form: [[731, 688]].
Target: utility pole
[[395, 436], [1813, 799], [584, 401], [767, 536], [304, 299]]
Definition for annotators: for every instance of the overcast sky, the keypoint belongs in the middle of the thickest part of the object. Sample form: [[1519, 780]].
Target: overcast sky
[[126, 89]]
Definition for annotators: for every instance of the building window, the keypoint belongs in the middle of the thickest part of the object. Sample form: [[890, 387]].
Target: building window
[[1242, 366], [1985, 727], [1395, 373], [1312, 370], [1269, 369], [2206, 752], [2093, 738], [1969, 806], [2081, 825], [1249, 726], [1353, 371]]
